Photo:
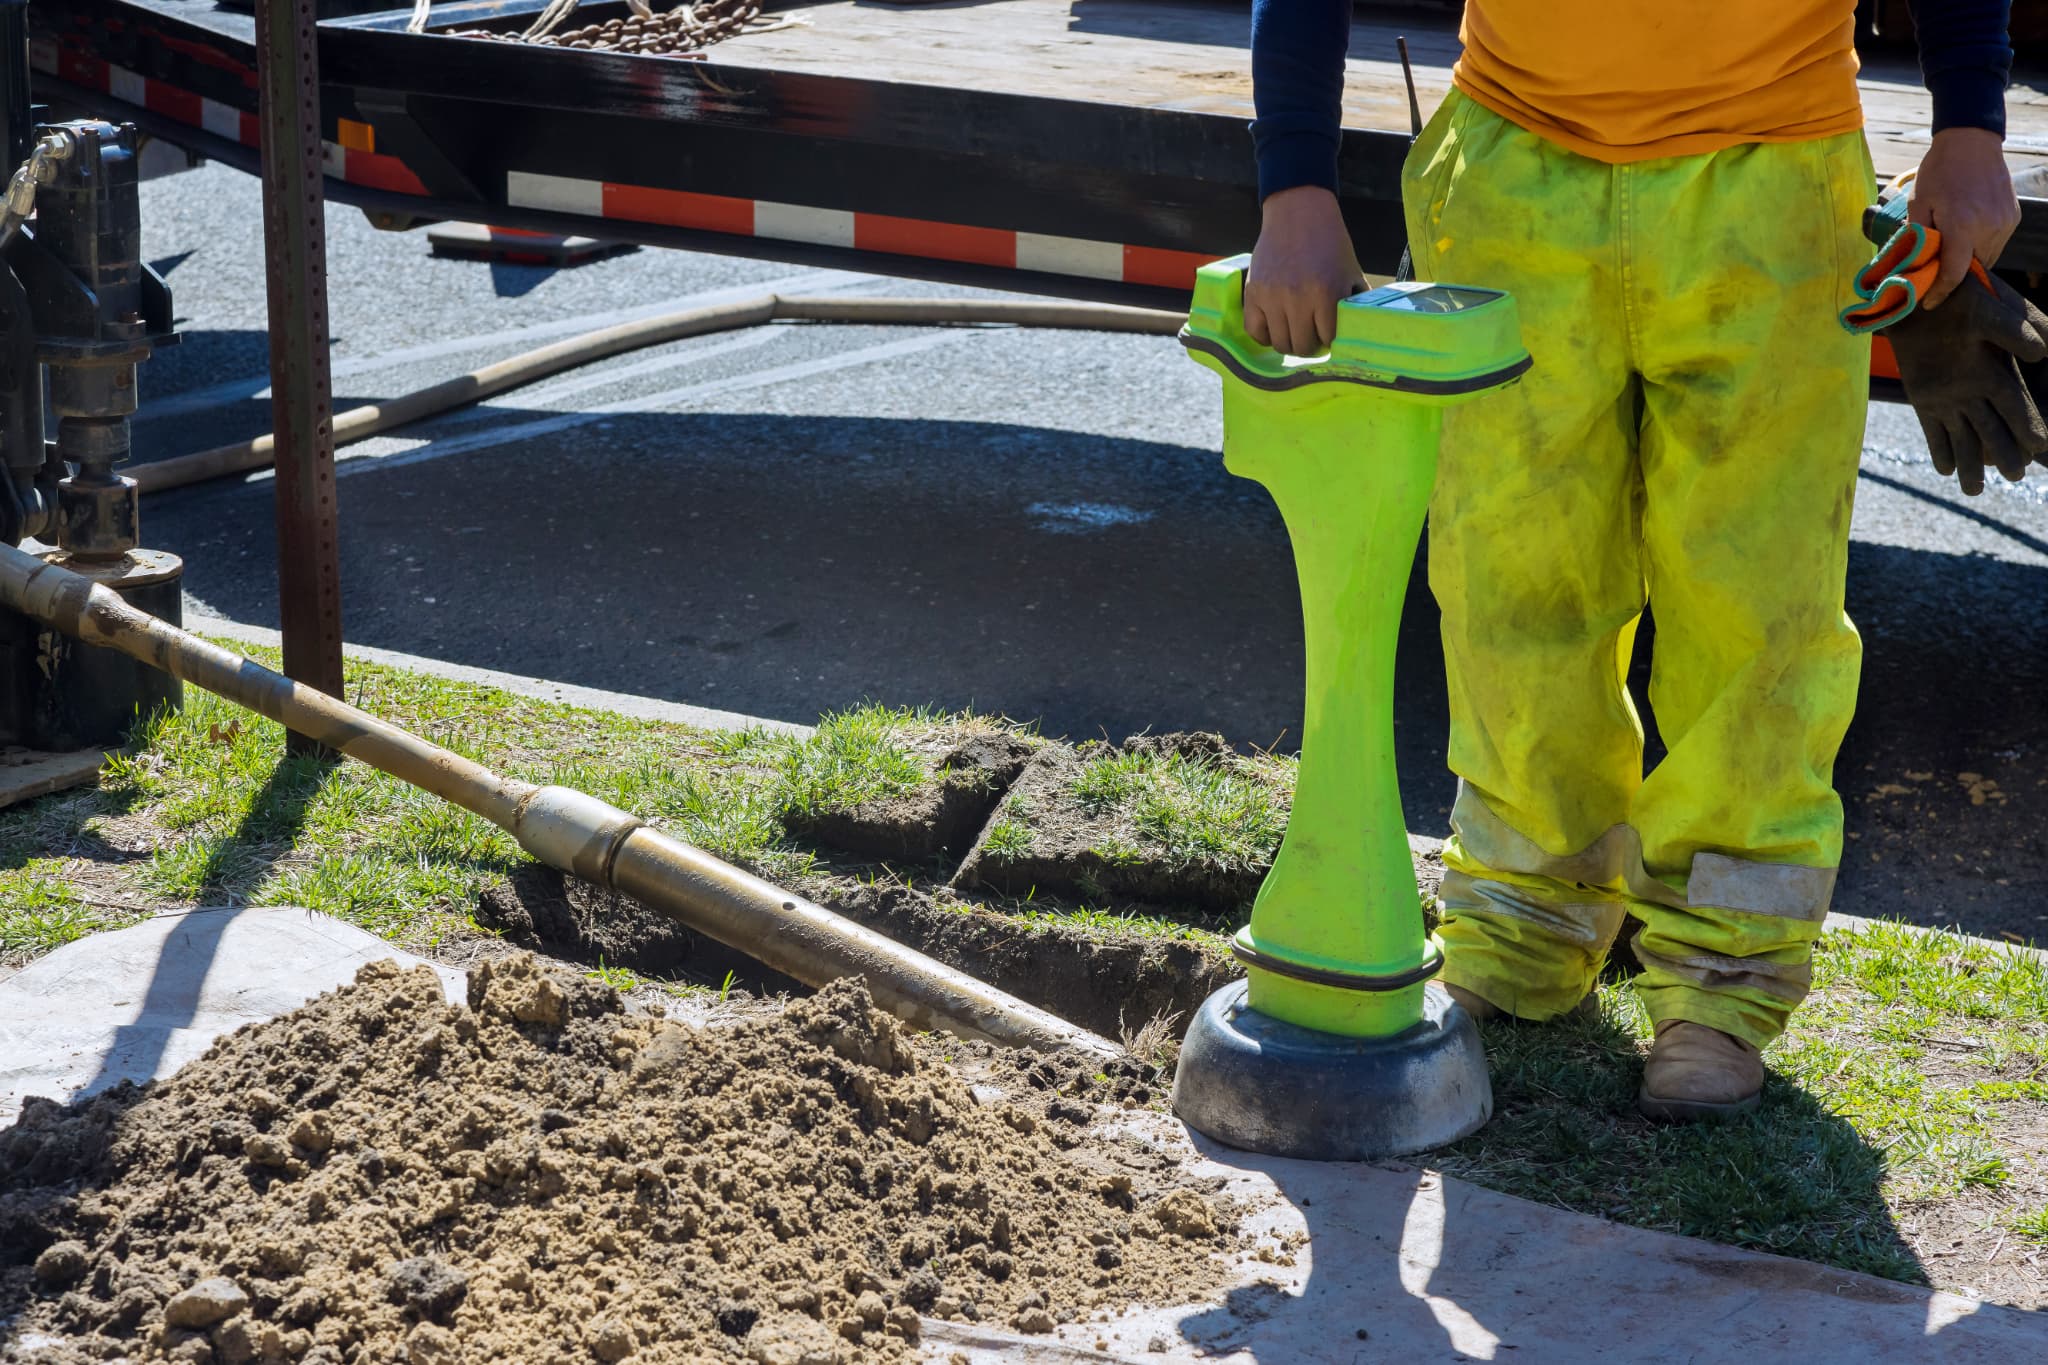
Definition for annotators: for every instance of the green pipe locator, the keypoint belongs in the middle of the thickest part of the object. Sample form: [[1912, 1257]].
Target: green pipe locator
[[1336, 949]]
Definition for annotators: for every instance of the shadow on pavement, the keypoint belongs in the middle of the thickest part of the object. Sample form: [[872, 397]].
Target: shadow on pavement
[[1405, 1263]]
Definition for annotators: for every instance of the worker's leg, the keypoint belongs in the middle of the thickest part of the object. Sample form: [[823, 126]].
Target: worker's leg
[[1755, 400], [1534, 559]]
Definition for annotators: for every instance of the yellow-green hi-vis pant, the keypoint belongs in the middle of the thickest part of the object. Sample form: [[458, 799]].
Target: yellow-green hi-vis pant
[[1688, 437]]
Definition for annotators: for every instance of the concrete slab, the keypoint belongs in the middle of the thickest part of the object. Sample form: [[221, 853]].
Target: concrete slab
[[1395, 1263], [137, 1003]]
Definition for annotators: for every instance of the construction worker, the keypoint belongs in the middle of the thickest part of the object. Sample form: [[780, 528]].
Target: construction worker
[[1672, 191]]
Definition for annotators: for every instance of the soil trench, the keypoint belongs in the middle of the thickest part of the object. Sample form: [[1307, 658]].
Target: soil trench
[[1109, 984], [542, 1176]]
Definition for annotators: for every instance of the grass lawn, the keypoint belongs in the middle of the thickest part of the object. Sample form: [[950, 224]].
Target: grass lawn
[[1903, 1130]]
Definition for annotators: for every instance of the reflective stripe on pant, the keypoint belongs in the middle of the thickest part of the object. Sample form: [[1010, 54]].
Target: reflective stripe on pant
[[1689, 437]]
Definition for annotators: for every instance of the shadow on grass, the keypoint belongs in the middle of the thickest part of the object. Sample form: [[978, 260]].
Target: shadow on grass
[[233, 866], [1793, 1179], [54, 826], [270, 828]]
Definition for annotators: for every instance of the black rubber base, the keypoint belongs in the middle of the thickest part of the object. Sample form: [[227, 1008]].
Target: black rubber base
[[1253, 1082]]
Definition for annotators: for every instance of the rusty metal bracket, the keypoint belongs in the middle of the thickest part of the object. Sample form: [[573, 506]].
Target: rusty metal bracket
[[295, 253]]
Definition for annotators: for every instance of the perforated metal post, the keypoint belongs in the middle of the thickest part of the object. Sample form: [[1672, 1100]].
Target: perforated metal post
[[295, 250]]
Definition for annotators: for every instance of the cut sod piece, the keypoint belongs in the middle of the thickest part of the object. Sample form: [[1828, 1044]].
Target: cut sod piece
[[1176, 821], [900, 784]]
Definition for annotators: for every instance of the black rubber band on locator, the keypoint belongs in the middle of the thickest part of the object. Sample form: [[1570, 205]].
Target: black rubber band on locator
[[1400, 383], [1342, 980]]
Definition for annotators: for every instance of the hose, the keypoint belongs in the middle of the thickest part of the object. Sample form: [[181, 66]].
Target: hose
[[564, 828], [474, 387]]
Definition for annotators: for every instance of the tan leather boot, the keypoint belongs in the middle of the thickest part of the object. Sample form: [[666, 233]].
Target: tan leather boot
[[1696, 1072]]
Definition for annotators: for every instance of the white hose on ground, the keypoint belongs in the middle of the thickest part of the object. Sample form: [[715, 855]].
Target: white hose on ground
[[359, 424]]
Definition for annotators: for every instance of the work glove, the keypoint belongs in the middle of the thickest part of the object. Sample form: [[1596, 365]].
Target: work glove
[[1966, 368], [1972, 367]]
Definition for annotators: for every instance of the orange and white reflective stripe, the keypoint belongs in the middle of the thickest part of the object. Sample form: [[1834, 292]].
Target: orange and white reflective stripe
[[877, 232], [354, 160]]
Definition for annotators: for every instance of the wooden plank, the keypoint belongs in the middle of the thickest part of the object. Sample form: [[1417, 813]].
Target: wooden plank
[[26, 774], [1194, 56]]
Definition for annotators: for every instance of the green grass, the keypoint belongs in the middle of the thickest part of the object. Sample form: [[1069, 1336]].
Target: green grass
[[233, 821], [855, 756], [236, 822], [1007, 839], [2033, 1225], [1189, 811], [40, 911], [1112, 923], [1898, 1086], [620, 979]]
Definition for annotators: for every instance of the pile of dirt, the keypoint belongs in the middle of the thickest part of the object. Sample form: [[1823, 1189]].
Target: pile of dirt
[[381, 1175]]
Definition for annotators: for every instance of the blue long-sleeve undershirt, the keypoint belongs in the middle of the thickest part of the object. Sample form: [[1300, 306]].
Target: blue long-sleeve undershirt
[[1298, 78]]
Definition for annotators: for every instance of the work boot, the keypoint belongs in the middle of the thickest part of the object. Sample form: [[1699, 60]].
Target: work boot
[[1696, 1072], [1484, 1011]]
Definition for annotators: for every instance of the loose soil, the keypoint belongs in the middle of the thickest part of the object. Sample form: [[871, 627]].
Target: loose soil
[[542, 1176]]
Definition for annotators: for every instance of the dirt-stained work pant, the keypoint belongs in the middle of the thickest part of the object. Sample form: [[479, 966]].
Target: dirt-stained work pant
[[1688, 437]]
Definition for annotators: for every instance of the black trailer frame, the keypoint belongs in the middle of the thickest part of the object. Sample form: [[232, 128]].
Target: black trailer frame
[[1074, 197]]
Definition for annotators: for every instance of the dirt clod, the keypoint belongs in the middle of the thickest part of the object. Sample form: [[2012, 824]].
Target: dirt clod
[[1185, 1214], [427, 1286], [205, 1303], [60, 1264], [381, 1175]]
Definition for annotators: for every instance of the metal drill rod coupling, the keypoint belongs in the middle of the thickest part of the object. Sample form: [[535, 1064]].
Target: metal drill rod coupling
[[40, 169]]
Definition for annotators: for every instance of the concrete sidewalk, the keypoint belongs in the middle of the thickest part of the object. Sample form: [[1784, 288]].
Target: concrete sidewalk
[[1401, 1264], [1345, 1264]]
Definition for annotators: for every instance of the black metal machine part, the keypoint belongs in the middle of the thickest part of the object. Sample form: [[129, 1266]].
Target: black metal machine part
[[78, 311]]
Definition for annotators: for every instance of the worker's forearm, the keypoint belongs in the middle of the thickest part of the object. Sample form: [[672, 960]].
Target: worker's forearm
[[1965, 59], [1298, 90]]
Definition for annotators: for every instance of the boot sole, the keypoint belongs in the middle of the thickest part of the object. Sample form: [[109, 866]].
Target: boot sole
[[1693, 1111]]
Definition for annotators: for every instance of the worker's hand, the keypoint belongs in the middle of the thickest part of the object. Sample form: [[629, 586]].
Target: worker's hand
[[1965, 190], [1301, 267]]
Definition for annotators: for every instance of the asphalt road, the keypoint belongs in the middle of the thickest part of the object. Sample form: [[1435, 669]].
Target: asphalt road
[[794, 518]]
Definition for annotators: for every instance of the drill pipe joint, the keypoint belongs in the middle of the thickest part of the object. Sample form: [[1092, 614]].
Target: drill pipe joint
[[569, 829]]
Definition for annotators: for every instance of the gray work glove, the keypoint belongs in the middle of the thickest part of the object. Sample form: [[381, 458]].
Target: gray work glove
[[1966, 368]]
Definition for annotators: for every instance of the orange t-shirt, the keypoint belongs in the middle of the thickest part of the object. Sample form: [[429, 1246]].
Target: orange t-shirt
[[1628, 80]]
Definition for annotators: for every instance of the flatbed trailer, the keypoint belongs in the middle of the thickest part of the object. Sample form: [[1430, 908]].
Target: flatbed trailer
[[1086, 148]]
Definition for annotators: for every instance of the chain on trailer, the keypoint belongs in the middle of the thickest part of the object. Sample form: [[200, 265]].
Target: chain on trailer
[[684, 31]]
